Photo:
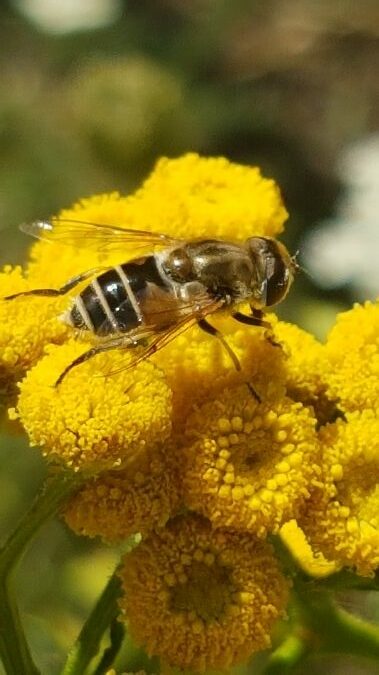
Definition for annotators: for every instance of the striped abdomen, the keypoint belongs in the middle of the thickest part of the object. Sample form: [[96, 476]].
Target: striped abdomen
[[113, 302]]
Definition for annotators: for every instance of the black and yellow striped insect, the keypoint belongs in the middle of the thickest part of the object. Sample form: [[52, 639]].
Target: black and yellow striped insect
[[151, 299]]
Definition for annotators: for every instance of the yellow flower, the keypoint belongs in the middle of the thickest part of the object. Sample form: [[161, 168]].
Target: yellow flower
[[91, 422], [198, 367], [342, 517], [24, 329], [314, 564], [353, 352], [188, 197], [210, 197], [117, 504], [249, 465], [306, 368], [200, 598]]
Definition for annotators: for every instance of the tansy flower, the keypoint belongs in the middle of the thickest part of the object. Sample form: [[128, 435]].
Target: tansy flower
[[198, 367], [117, 504], [200, 598], [342, 517], [188, 197], [306, 370], [93, 422], [353, 352], [313, 563], [249, 465], [24, 329], [210, 197]]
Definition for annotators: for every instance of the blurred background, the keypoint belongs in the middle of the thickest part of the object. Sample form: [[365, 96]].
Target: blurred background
[[92, 92]]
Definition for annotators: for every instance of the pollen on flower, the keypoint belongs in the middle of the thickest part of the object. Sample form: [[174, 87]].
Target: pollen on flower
[[353, 352], [306, 369], [26, 325], [258, 477], [117, 504], [200, 598], [92, 421], [341, 518], [210, 197], [197, 366]]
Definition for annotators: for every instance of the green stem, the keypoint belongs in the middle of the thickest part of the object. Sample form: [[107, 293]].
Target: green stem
[[345, 580], [335, 630], [288, 655], [88, 643], [117, 635], [14, 650], [318, 623]]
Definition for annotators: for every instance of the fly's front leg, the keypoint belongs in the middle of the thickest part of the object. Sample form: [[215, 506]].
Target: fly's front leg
[[256, 319], [211, 330], [108, 345], [54, 292]]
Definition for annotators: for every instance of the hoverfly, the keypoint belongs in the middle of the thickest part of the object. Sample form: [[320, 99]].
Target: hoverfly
[[149, 300]]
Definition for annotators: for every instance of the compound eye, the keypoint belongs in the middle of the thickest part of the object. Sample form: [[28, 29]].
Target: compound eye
[[277, 282]]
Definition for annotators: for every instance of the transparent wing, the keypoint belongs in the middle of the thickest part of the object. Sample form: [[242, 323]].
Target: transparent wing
[[186, 317], [147, 337], [101, 237]]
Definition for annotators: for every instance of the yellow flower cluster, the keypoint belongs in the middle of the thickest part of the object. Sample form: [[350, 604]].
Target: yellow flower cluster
[[341, 519], [183, 430], [117, 504], [353, 353], [248, 465], [346, 507], [194, 594], [24, 331], [89, 426]]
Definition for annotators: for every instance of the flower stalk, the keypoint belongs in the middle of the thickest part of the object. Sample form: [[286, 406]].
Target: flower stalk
[[87, 644], [333, 629], [14, 650]]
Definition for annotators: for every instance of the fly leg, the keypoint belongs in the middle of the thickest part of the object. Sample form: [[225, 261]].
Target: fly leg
[[53, 292], [211, 330], [114, 343], [256, 319]]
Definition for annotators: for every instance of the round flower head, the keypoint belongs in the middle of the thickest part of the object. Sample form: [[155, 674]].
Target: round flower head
[[198, 367], [188, 197], [248, 465], [117, 504], [91, 422], [306, 369], [200, 598], [342, 517], [353, 352], [195, 196], [26, 324]]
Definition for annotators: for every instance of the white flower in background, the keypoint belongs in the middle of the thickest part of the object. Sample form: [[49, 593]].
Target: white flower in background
[[345, 249], [64, 16]]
